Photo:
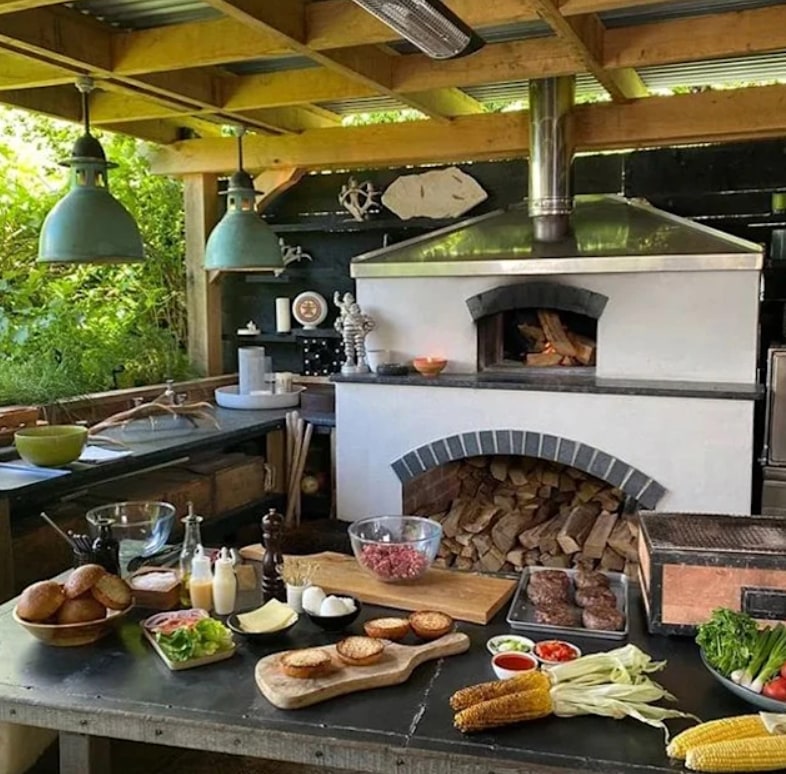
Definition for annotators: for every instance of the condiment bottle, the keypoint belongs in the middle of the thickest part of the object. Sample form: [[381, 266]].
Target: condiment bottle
[[200, 585], [224, 584], [192, 539], [106, 550]]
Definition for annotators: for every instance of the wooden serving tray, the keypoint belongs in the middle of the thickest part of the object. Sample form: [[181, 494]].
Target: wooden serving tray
[[176, 666], [397, 664], [463, 595]]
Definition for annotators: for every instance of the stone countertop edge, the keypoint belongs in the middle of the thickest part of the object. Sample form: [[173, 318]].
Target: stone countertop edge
[[572, 383]]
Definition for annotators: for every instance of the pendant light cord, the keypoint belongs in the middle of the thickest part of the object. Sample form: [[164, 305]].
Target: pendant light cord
[[85, 85], [240, 132]]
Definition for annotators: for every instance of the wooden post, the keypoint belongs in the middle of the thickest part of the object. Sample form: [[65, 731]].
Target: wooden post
[[203, 298], [6, 552]]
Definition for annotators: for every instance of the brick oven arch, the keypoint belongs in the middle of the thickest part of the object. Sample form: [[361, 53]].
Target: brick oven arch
[[614, 471], [537, 295]]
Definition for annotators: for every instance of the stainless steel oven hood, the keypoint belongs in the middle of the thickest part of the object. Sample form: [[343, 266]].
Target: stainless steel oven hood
[[608, 234]]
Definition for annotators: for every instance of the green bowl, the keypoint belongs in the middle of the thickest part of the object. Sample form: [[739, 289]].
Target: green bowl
[[50, 446]]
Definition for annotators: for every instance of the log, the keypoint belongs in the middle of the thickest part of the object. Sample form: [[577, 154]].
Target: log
[[578, 525], [469, 552], [450, 526], [548, 540], [499, 467], [532, 557], [623, 542], [483, 518], [550, 478], [492, 560], [588, 490], [482, 543], [517, 476], [595, 543], [530, 538], [543, 359], [462, 563], [566, 483], [611, 560], [609, 499], [506, 530], [536, 338], [583, 347], [476, 462], [555, 560], [516, 557], [505, 502], [555, 332]]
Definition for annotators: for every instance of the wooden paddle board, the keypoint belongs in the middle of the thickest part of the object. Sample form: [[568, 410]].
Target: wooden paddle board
[[463, 595], [397, 664]]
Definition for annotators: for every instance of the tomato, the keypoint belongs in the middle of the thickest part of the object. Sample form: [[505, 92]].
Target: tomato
[[776, 689], [555, 650]]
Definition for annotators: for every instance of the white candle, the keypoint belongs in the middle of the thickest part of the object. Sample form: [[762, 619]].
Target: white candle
[[251, 369], [283, 318]]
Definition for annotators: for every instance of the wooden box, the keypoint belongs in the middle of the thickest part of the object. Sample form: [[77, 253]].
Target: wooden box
[[241, 484], [165, 598], [691, 563]]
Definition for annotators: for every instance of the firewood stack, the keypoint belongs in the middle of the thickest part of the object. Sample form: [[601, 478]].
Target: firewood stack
[[514, 512], [551, 343]]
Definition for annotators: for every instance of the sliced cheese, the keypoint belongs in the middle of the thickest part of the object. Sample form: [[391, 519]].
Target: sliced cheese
[[271, 617]]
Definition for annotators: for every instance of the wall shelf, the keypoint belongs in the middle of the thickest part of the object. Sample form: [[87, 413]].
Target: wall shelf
[[347, 226]]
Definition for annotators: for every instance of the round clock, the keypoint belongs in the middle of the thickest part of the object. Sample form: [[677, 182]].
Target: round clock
[[309, 309]]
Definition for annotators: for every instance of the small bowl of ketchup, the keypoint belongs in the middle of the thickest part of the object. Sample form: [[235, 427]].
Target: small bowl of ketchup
[[507, 665]]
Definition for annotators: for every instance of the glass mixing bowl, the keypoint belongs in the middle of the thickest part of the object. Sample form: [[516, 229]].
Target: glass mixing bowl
[[141, 528], [395, 548]]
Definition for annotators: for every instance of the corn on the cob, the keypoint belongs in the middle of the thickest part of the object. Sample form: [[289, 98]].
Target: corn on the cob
[[737, 755], [504, 710], [474, 694], [723, 730]]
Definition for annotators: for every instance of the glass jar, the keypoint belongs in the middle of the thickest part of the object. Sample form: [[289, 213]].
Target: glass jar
[[192, 545]]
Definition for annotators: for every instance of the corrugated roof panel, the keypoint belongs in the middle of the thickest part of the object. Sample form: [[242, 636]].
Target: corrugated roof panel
[[626, 17], [511, 91], [270, 65], [762, 68], [143, 14], [367, 105], [499, 34]]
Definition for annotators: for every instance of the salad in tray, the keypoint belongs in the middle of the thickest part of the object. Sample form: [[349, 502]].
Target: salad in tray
[[752, 657], [185, 635]]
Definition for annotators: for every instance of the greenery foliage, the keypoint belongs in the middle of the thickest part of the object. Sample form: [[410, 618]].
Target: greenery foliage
[[67, 331]]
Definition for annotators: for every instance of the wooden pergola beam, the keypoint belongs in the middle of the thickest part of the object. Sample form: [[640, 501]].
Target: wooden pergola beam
[[716, 116], [10, 6]]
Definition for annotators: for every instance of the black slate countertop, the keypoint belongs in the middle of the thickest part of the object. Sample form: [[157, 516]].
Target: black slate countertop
[[148, 447], [119, 687], [539, 381]]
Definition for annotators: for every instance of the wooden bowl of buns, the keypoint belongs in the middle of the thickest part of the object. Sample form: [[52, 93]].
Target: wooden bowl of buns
[[80, 611]]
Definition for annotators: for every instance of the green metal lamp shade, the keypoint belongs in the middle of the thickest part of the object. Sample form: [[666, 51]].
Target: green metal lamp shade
[[89, 225], [241, 240]]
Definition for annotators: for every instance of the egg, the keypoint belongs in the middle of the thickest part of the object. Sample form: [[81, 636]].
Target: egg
[[349, 603], [313, 596], [332, 606]]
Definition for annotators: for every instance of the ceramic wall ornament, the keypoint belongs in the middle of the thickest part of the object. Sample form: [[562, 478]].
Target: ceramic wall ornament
[[354, 326], [292, 253], [440, 193], [309, 309], [359, 199]]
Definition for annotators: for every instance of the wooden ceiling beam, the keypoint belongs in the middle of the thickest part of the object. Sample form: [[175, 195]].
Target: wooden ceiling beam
[[584, 36], [369, 65], [719, 116], [20, 72], [11, 6], [580, 7], [741, 33]]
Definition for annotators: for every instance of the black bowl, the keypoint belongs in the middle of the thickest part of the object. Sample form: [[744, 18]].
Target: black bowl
[[335, 623], [233, 623]]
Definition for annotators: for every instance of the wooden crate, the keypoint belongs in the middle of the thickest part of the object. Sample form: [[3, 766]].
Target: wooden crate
[[239, 484], [13, 418], [692, 563]]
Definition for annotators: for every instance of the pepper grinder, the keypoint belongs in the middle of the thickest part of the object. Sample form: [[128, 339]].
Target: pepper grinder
[[105, 548], [272, 532]]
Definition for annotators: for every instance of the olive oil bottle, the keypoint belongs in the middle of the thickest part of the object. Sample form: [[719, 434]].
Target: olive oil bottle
[[192, 545]]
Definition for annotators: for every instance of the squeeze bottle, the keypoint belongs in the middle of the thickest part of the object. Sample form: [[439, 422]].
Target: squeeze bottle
[[224, 584], [200, 585]]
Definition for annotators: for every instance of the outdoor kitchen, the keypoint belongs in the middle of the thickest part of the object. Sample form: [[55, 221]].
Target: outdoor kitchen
[[392, 386]]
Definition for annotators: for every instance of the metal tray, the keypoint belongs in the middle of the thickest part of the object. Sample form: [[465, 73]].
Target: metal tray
[[522, 612]]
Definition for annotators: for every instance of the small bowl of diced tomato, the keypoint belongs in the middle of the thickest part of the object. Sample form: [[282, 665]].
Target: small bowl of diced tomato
[[555, 651]]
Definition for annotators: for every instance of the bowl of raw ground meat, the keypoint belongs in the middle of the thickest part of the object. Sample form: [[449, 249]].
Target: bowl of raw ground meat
[[395, 548]]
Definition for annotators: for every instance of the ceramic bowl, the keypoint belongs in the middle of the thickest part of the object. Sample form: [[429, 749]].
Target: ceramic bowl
[[234, 624], [50, 446], [395, 548], [507, 665], [509, 643], [429, 366], [543, 656], [71, 635], [336, 623]]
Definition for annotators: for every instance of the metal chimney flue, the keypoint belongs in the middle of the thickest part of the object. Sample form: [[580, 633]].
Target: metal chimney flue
[[551, 153]]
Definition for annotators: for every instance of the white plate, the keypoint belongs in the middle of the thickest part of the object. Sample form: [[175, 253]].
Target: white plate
[[493, 644], [229, 397]]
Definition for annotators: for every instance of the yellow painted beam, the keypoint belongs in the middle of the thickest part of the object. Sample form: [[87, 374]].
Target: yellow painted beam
[[10, 6], [721, 116], [19, 72]]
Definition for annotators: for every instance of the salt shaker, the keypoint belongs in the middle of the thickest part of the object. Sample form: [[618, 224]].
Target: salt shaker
[[272, 532]]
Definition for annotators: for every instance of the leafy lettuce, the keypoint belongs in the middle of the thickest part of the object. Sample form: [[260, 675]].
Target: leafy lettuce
[[205, 638]]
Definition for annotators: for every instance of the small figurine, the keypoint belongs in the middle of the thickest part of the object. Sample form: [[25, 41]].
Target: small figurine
[[273, 586], [353, 326], [358, 198]]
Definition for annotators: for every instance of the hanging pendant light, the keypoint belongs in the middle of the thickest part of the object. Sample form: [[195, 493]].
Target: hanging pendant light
[[241, 240], [88, 225]]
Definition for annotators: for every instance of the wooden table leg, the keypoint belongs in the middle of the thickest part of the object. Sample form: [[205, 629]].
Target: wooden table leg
[[6, 552], [84, 754]]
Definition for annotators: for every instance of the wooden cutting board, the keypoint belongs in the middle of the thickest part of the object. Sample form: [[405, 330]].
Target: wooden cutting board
[[397, 664], [465, 596]]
